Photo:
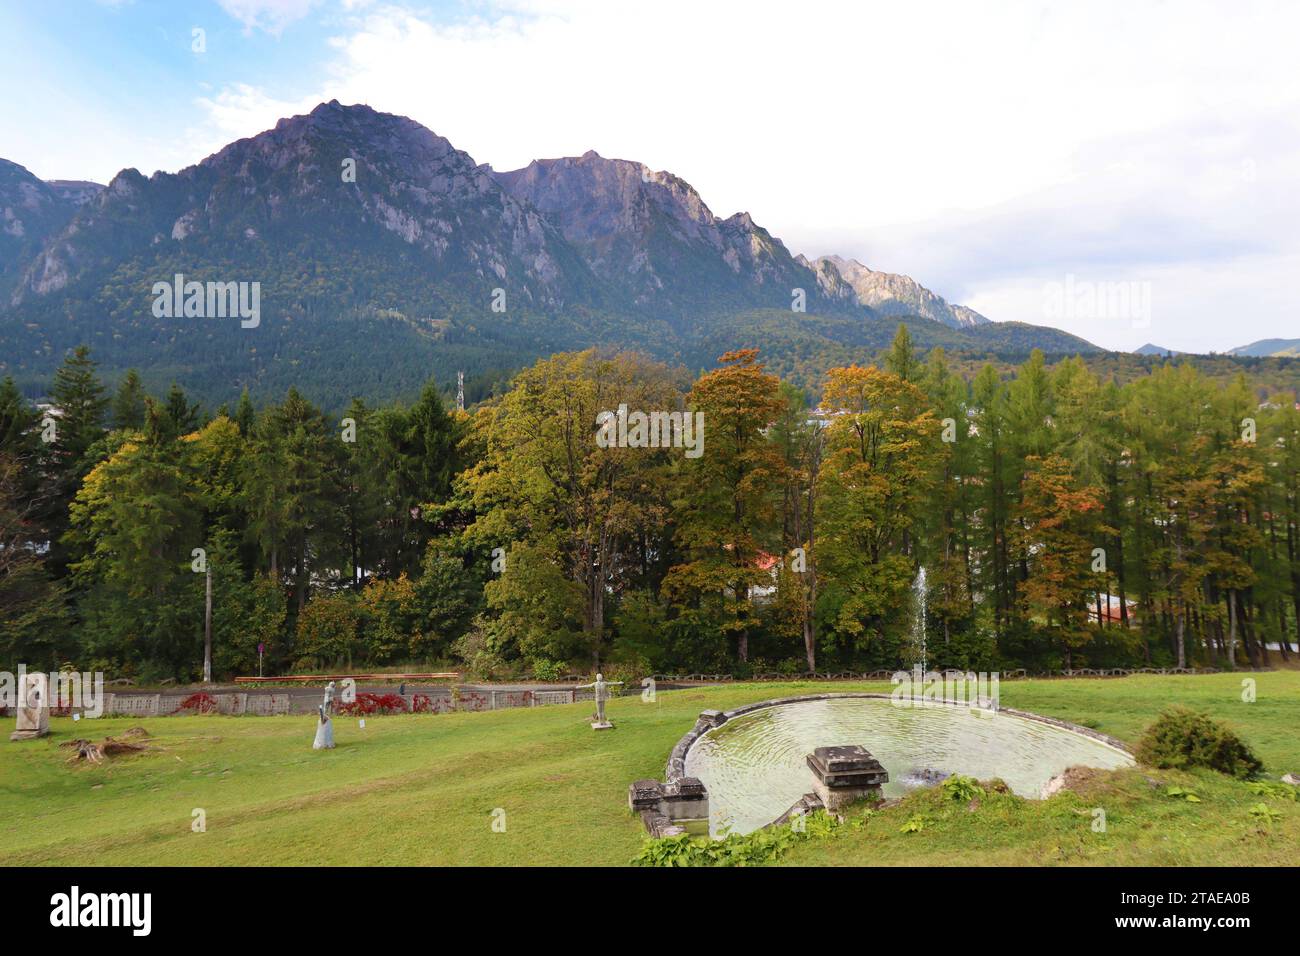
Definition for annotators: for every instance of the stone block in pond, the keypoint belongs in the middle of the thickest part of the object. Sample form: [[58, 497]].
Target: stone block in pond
[[712, 718], [644, 795], [846, 774], [686, 799], [670, 808]]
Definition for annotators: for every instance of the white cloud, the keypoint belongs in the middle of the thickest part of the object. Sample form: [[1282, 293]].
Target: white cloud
[[272, 16], [241, 110], [980, 148]]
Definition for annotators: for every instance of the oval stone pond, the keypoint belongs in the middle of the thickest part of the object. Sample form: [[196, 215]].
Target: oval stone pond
[[754, 765]]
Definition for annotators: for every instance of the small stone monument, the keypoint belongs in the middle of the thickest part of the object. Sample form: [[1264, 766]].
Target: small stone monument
[[324, 731], [33, 708], [329, 698], [601, 687], [842, 775]]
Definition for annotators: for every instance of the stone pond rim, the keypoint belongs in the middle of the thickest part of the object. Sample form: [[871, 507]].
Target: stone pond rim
[[680, 797]]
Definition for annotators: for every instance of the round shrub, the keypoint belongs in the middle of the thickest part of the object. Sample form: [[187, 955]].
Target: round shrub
[[1182, 738]]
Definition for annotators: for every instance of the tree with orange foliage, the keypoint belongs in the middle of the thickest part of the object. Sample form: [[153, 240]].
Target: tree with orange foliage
[[882, 449], [1056, 528], [728, 510]]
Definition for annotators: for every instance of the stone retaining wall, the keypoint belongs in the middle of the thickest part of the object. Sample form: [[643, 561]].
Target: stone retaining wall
[[1017, 674], [300, 701]]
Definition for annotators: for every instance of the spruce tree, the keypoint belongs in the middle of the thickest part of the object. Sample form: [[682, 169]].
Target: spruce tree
[[128, 403]]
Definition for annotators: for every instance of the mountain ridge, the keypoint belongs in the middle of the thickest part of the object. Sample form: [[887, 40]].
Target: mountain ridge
[[1269, 347], [893, 294], [432, 260]]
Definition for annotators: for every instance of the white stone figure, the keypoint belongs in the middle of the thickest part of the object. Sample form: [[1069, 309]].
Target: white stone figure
[[329, 698], [602, 694], [33, 708], [324, 731]]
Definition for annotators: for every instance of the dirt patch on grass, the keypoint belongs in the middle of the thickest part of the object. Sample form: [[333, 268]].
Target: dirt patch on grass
[[128, 742], [1088, 782]]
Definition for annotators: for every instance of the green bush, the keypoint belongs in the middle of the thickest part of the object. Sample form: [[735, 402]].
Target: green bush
[[549, 672], [329, 631], [1182, 738]]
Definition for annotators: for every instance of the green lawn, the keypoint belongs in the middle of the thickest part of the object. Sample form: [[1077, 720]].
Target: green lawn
[[422, 789]]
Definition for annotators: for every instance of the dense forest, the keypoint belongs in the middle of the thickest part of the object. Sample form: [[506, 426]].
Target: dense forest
[[1064, 519]]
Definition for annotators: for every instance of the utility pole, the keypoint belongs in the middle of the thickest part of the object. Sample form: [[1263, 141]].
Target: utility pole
[[207, 627], [460, 391]]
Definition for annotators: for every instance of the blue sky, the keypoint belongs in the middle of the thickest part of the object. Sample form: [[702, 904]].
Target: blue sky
[[97, 86], [993, 151]]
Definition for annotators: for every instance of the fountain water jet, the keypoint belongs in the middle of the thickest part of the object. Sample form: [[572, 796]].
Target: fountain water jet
[[918, 620]]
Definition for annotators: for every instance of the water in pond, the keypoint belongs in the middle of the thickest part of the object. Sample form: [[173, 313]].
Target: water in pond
[[754, 769]]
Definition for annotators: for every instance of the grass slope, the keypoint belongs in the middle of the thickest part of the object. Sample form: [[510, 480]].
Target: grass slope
[[421, 789]]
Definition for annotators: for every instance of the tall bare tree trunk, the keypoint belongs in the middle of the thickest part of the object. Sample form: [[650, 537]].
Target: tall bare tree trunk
[[1182, 650], [1252, 640], [1232, 628], [810, 564], [207, 627]]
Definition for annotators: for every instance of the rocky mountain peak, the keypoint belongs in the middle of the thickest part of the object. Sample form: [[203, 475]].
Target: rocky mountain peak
[[892, 294], [650, 233], [338, 170], [590, 197]]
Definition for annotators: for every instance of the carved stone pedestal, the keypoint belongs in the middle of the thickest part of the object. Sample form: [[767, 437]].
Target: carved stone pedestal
[[845, 775]]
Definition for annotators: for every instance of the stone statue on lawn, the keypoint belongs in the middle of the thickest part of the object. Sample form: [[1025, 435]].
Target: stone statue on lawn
[[601, 687], [324, 731], [33, 708]]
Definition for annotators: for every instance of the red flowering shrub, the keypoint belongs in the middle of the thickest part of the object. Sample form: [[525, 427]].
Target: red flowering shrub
[[367, 704], [199, 703], [471, 701], [428, 704]]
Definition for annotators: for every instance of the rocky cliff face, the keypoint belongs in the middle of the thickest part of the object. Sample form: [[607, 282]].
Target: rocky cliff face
[[651, 236], [889, 294], [31, 211], [76, 191]]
